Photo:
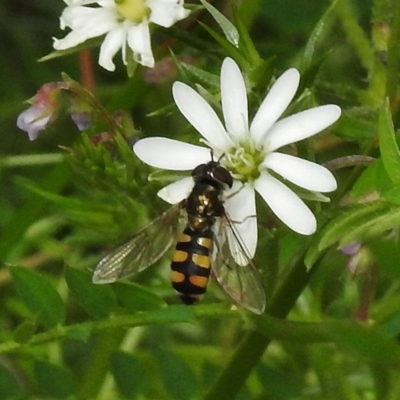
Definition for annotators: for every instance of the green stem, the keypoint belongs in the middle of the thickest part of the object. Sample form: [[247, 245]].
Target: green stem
[[31, 160], [255, 343], [163, 316]]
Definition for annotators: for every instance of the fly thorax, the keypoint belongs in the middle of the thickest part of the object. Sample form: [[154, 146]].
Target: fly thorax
[[197, 223]]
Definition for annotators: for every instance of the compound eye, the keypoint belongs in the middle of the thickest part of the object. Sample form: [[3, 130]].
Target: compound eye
[[222, 175], [199, 171]]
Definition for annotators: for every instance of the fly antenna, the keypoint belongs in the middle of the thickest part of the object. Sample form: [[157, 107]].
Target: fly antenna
[[221, 157]]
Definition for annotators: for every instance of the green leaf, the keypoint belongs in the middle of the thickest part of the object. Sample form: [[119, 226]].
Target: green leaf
[[97, 300], [387, 255], [339, 228], [278, 383], [15, 228], [130, 376], [309, 49], [367, 343], [201, 76], [137, 298], [55, 380], [388, 144], [176, 375], [24, 331], [374, 227], [78, 209], [230, 31], [9, 388], [392, 195], [246, 45], [374, 178], [229, 49], [356, 124], [82, 46], [39, 296]]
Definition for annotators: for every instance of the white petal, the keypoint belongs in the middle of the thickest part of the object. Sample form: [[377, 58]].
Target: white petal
[[241, 208], [301, 126], [33, 120], [177, 191], [79, 2], [113, 41], [234, 100], [303, 173], [86, 23], [171, 154], [139, 42], [275, 103], [286, 205], [200, 114], [166, 13]]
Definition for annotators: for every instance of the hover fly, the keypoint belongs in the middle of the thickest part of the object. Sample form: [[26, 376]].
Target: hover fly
[[207, 242]]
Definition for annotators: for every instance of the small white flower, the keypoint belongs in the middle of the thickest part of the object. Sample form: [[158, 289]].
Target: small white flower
[[123, 22], [249, 151]]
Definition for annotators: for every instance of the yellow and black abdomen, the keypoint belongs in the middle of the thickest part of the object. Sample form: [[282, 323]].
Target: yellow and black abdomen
[[191, 263]]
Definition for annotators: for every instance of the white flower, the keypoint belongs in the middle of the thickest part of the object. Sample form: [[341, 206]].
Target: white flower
[[123, 22], [249, 151]]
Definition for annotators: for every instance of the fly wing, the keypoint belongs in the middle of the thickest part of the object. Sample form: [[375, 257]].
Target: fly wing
[[145, 248], [236, 274]]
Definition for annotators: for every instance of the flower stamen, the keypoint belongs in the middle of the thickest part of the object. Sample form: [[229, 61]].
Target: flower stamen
[[133, 10]]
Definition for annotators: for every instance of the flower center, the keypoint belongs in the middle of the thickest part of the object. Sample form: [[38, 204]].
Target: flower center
[[133, 10], [244, 161]]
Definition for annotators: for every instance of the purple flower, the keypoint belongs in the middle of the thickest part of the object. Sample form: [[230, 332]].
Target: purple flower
[[33, 120]]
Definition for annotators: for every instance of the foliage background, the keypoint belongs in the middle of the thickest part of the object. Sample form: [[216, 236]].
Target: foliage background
[[63, 337]]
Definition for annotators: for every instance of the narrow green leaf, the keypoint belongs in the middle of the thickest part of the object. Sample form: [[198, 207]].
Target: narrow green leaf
[[374, 178], [392, 195], [97, 300], [55, 380], [39, 296], [230, 31], [177, 377], [130, 376], [9, 388], [66, 202], [375, 226], [246, 45], [137, 298], [201, 75], [315, 36], [171, 314], [82, 46], [387, 255], [229, 49], [339, 227], [24, 331], [388, 144], [347, 222], [357, 123], [277, 383], [31, 210], [367, 343]]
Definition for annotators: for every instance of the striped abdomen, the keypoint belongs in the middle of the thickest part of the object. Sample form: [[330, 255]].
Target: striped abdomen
[[191, 263]]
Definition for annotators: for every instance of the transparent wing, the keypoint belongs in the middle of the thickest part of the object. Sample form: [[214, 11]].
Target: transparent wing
[[145, 248], [240, 279]]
